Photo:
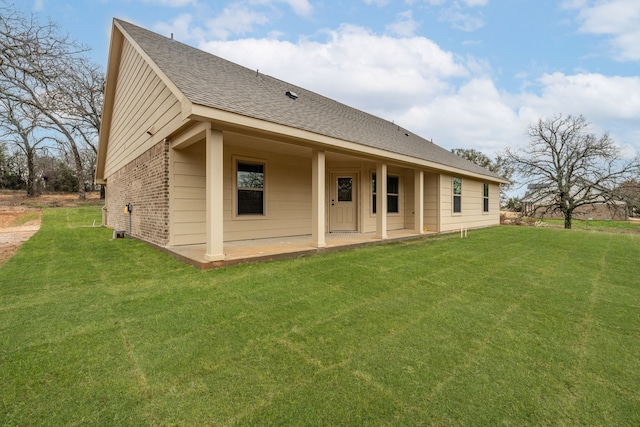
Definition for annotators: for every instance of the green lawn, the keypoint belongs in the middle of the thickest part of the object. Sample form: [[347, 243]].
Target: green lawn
[[596, 225], [511, 326]]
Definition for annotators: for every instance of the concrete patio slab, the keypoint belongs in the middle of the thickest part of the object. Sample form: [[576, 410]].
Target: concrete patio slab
[[257, 250]]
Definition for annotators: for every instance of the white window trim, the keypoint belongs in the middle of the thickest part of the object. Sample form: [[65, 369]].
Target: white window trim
[[453, 196], [488, 198], [251, 160], [399, 194]]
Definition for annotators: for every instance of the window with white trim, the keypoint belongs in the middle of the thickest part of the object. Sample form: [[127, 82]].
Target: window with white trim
[[393, 194], [485, 198], [457, 195], [250, 188]]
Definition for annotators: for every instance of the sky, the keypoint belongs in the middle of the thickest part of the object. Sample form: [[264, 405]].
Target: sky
[[464, 73]]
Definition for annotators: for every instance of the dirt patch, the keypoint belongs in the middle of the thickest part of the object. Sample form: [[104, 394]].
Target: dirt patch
[[21, 216]]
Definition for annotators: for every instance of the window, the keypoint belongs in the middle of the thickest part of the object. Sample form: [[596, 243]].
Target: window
[[457, 195], [393, 191], [250, 187], [345, 189], [485, 198], [393, 194]]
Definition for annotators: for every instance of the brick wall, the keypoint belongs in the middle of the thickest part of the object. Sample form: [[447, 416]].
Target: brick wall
[[145, 184]]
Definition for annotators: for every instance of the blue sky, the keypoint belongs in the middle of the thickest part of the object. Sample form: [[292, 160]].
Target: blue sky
[[465, 73]]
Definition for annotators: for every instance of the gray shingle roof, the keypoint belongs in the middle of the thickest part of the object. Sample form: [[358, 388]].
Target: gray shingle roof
[[211, 81]]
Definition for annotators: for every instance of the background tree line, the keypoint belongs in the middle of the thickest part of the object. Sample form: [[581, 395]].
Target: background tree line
[[565, 167], [50, 106]]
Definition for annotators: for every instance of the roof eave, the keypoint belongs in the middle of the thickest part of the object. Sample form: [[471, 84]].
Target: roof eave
[[234, 121], [113, 64]]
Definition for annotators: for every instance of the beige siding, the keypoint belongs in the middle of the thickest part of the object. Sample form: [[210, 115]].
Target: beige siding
[[395, 221], [187, 195], [367, 215], [409, 197], [287, 195], [431, 201], [142, 101], [472, 215]]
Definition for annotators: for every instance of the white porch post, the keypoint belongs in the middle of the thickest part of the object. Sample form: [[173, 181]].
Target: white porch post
[[418, 201], [318, 199], [214, 199], [381, 201]]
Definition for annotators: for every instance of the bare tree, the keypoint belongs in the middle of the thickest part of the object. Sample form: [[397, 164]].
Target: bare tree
[[83, 96], [568, 167], [46, 71], [79, 100], [18, 126]]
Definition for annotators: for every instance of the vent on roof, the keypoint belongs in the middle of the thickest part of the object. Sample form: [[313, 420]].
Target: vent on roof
[[292, 95]]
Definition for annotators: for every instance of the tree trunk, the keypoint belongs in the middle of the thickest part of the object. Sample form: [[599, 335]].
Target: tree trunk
[[32, 187], [567, 219], [82, 195]]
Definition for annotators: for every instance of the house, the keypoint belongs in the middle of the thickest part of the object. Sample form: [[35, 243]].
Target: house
[[196, 150]]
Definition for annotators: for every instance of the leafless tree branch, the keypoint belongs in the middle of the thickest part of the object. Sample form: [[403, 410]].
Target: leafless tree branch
[[566, 166], [43, 70]]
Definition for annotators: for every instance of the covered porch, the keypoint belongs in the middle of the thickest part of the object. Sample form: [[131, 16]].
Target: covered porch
[[276, 248], [329, 197]]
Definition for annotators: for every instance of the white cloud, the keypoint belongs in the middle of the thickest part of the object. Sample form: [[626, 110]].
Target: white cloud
[[38, 5], [618, 19], [181, 27], [475, 116], [376, 2], [574, 4], [593, 95], [457, 3], [172, 3], [456, 12], [462, 21], [610, 103], [463, 15], [380, 74], [472, 3], [300, 7], [235, 19], [404, 25]]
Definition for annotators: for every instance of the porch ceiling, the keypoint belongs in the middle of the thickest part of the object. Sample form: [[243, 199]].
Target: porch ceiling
[[286, 148]]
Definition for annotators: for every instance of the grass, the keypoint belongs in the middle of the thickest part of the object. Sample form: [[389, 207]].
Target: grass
[[597, 225], [511, 326]]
